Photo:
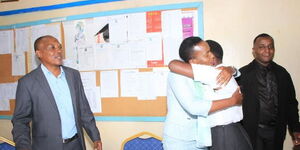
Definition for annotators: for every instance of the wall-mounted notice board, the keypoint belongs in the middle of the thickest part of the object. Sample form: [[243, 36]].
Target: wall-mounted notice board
[[122, 56]]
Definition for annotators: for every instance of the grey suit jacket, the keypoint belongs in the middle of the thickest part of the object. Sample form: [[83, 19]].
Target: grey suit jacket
[[35, 103]]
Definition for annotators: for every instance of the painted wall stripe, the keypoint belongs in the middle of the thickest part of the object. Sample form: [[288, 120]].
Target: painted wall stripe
[[113, 12], [53, 7]]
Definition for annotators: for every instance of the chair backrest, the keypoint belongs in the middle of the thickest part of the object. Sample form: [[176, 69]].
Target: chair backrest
[[7, 144], [138, 142]]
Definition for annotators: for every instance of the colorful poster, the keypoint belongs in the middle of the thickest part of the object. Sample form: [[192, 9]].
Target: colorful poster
[[153, 19], [187, 27]]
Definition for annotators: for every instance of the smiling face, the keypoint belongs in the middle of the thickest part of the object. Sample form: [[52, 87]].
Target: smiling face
[[49, 51], [264, 50], [202, 54]]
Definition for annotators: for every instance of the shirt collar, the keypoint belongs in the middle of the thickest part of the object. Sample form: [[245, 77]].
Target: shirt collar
[[260, 66], [45, 70]]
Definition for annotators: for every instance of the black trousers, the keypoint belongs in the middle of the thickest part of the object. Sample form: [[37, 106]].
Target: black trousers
[[265, 138], [230, 137], [73, 145]]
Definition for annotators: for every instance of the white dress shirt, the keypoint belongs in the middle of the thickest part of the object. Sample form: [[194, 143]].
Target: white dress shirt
[[207, 75]]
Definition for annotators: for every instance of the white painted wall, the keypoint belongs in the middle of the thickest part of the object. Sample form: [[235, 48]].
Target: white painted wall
[[233, 23]]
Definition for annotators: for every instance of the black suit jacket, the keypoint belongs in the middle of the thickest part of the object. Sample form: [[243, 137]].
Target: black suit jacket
[[287, 103], [35, 103]]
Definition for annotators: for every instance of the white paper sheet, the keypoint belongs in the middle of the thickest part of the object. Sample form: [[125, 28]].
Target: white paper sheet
[[91, 91], [94, 99], [171, 49], [86, 58], [90, 31], [129, 82], [136, 26], [34, 61], [6, 42], [18, 64], [4, 105], [118, 29], [82, 48], [79, 44], [88, 79], [41, 30], [3, 94], [7, 92], [120, 56], [138, 84], [146, 85], [137, 54], [160, 76], [71, 52], [54, 30], [11, 90], [153, 44], [109, 83], [22, 40], [171, 24], [103, 56]]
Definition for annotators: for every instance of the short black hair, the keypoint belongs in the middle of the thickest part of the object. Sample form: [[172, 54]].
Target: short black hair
[[38, 41], [186, 48], [216, 49], [262, 35]]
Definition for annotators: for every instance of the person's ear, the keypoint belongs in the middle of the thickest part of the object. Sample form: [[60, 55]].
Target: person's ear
[[253, 52], [38, 53]]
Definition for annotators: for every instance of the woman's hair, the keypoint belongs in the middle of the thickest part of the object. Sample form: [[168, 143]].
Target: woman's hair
[[216, 49], [186, 48]]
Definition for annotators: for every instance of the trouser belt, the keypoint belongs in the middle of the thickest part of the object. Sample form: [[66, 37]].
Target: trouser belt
[[65, 141]]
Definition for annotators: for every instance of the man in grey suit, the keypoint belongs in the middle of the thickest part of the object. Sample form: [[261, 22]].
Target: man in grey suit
[[52, 99]]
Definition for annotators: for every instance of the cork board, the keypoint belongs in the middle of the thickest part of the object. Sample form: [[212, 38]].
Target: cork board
[[118, 106]]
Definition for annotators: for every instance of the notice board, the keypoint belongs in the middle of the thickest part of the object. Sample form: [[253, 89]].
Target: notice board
[[122, 55]]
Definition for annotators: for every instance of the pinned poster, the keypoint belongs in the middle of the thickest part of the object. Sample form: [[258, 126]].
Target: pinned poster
[[154, 50], [187, 27], [153, 19]]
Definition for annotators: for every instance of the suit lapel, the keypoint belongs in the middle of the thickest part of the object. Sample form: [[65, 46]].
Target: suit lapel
[[45, 87], [251, 74], [70, 80], [253, 82], [280, 83]]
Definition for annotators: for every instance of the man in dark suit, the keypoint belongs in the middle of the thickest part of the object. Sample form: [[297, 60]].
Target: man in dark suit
[[52, 99], [270, 103]]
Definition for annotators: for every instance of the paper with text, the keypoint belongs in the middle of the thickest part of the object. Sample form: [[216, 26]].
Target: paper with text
[[22, 40], [6, 41], [18, 64], [109, 83]]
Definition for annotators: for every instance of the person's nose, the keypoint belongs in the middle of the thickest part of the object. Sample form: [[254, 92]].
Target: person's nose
[[267, 50], [58, 49]]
